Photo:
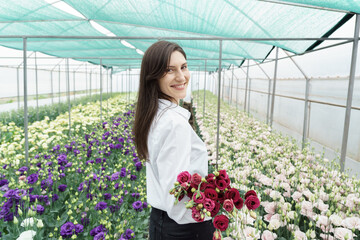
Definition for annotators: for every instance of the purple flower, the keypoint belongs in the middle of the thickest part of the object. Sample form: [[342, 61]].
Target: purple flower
[[100, 236], [67, 230], [40, 209], [55, 197], [145, 204], [101, 206], [133, 177], [107, 196], [62, 187], [135, 195], [23, 169], [137, 206], [79, 228], [97, 230], [129, 234], [32, 178], [115, 176], [138, 166], [3, 182], [62, 159]]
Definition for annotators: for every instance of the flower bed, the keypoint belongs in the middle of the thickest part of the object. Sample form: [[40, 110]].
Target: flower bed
[[88, 187], [303, 195]]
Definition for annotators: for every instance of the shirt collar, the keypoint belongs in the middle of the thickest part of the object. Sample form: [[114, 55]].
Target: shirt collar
[[163, 104]]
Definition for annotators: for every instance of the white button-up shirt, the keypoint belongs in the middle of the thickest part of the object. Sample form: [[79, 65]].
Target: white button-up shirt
[[173, 147]]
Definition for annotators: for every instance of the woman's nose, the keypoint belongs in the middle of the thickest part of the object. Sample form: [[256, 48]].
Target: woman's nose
[[180, 76]]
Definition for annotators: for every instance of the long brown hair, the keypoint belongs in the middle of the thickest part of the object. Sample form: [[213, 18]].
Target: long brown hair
[[153, 67]]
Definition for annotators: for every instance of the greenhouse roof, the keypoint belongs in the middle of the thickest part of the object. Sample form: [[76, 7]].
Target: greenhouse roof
[[162, 19]]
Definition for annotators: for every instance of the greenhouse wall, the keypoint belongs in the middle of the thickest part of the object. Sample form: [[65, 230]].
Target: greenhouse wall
[[326, 115]]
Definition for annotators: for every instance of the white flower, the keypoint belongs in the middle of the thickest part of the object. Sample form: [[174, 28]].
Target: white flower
[[267, 235], [351, 222], [299, 235], [274, 224], [343, 233], [28, 222], [40, 224], [335, 219], [27, 235]]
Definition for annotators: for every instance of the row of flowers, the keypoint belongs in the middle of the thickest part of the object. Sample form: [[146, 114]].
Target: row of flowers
[[89, 186], [303, 195]]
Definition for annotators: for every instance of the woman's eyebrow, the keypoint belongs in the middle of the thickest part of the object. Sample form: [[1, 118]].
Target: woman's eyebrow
[[181, 64]]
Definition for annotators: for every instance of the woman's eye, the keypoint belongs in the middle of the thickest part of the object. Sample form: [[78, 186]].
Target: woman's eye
[[169, 70], [184, 67]]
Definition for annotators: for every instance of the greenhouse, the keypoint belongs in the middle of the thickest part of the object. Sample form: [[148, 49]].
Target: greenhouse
[[273, 95]]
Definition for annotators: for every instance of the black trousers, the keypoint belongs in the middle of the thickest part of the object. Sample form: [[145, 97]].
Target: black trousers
[[164, 228]]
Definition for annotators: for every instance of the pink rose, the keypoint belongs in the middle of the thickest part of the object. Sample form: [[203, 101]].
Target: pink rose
[[209, 204], [196, 215], [196, 179], [198, 197], [184, 177], [228, 205], [211, 193]]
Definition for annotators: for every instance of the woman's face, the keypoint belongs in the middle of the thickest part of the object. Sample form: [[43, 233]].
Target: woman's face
[[176, 79]]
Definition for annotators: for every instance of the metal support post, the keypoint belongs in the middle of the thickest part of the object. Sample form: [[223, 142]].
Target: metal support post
[[232, 82], [90, 82], [218, 112], [37, 90], [111, 81], [25, 105], [86, 81], [198, 95], [274, 86], [269, 87], [237, 90], [350, 93], [18, 87], [100, 89], [68, 93], [306, 107], [205, 73], [74, 84], [246, 87], [223, 89], [52, 87], [249, 91]]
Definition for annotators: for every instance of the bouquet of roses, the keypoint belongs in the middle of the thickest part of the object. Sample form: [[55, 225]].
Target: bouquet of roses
[[212, 196]]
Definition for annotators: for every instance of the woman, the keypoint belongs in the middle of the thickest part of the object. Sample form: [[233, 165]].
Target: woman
[[164, 137]]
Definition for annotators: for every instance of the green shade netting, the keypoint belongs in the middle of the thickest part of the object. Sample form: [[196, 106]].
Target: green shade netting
[[347, 5], [168, 18], [209, 18], [27, 10]]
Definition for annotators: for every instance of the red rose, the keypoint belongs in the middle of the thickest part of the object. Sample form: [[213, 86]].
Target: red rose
[[211, 193], [185, 186], [252, 202], [221, 197], [198, 197], [181, 197], [196, 215], [216, 209], [209, 204], [221, 184], [196, 179], [233, 194], [184, 177], [239, 203], [228, 205], [189, 194], [250, 193], [210, 178], [223, 174], [221, 222]]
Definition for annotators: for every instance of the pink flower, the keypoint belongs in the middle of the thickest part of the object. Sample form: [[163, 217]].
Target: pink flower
[[270, 207], [198, 197], [196, 215], [209, 204], [228, 205], [184, 177], [343, 233], [267, 235]]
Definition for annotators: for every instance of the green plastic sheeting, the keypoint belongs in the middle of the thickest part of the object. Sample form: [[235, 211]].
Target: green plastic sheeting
[[346, 5], [169, 18]]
